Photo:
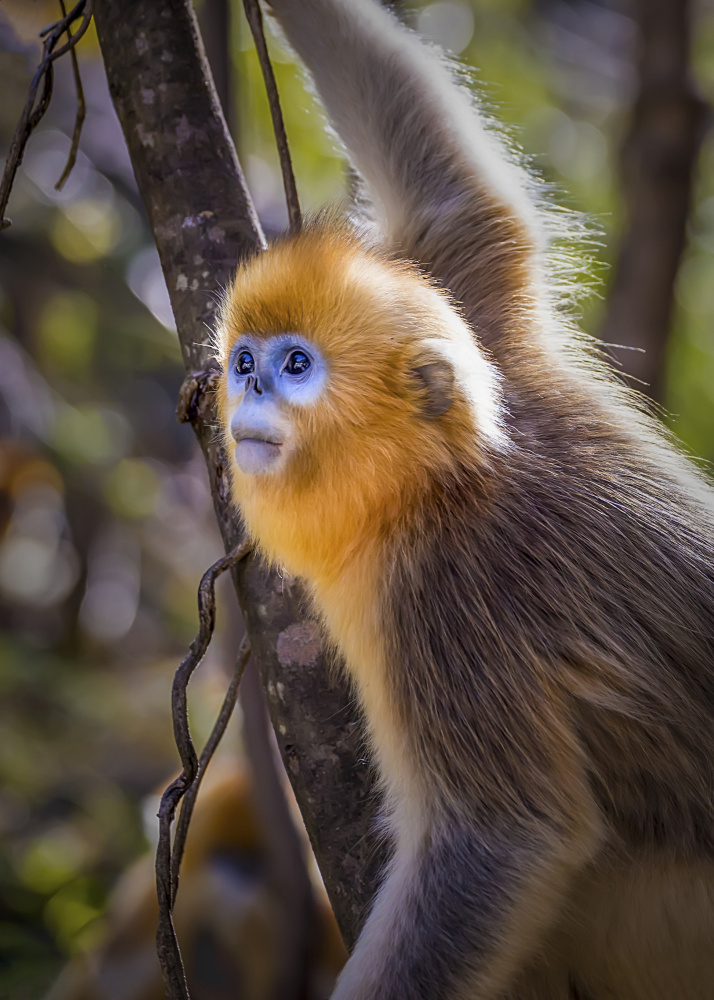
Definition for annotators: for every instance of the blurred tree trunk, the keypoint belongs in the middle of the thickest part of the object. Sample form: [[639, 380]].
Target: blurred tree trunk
[[203, 223], [658, 158], [214, 19]]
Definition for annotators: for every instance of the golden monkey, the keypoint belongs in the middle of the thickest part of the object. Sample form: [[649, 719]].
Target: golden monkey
[[514, 561], [227, 916]]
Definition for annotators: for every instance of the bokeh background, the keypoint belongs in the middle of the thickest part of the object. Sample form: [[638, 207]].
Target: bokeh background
[[105, 519]]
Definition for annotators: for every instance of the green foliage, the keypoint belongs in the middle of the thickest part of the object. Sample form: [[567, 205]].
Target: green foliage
[[66, 335]]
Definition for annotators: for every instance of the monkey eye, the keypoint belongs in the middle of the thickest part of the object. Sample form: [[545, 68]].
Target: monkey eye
[[297, 364], [245, 363]]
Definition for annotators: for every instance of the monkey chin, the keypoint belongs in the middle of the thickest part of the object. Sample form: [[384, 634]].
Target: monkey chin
[[254, 456]]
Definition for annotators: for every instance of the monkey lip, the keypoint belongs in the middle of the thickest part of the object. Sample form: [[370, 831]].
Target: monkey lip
[[256, 454]]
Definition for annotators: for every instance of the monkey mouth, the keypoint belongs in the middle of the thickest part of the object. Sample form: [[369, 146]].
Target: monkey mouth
[[257, 454], [260, 440]]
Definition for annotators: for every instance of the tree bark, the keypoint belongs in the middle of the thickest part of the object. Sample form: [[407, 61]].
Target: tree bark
[[204, 223], [658, 158]]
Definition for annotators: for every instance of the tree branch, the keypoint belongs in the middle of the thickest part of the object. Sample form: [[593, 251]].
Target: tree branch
[[80, 115], [203, 223], [254, 17], [186, 786], [35, 109]]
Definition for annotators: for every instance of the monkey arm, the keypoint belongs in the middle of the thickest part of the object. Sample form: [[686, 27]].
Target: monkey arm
[[463, 917], [444, 190]]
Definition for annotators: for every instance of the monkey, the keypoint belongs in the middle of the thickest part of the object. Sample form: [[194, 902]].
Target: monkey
[[513, 559], [227, 914]]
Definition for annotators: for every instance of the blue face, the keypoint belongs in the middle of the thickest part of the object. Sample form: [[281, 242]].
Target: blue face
[[266, 377]]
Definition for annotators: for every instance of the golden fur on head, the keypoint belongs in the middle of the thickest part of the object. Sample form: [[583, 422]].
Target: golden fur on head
[[365, 446]]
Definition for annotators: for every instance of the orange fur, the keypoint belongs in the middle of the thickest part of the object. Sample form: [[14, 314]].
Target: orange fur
[[359, 467]]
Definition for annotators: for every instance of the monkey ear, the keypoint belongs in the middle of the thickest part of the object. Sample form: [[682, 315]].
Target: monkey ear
[[435, 378]]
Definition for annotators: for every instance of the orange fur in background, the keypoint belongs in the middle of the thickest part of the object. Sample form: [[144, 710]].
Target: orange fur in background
[[228, 923]]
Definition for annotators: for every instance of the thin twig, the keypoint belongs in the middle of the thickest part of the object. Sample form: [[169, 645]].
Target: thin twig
[[167, 868], [255, 20], [167, 946], [197, 650], [32, 115], [204, 760], [80, 115], [56, 30]]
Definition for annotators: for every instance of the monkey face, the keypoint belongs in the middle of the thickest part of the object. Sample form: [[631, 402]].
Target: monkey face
[[322, 366], [266, 379], [348, 382]]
